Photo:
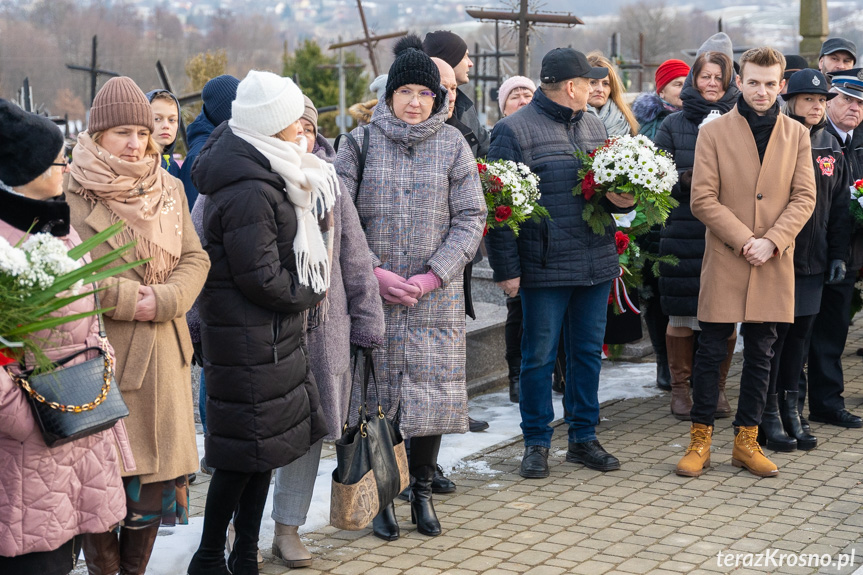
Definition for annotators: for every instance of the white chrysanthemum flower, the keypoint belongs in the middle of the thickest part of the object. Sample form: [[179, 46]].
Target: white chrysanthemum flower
[[13, 261]]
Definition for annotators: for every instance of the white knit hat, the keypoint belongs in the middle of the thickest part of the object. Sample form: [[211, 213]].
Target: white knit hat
[[267, 103]]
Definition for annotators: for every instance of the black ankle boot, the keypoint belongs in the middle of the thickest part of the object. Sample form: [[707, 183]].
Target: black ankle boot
[[208, 563], [770, 432], [422, 508], [791, 421], [663, 372], [385, 526]]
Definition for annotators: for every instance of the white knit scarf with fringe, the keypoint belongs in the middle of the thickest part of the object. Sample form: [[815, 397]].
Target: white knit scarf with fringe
[[312, 187]]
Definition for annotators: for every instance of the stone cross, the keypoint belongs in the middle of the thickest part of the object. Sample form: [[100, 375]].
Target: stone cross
[[814, 27]]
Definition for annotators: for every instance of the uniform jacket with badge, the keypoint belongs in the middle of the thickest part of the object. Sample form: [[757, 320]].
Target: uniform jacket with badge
[[854, 160], [738, 197], [826, 235], [153, 357]]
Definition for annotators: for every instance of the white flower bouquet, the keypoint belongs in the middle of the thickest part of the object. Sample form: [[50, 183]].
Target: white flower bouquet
[[626, 165], [38, 277], [511, 193]]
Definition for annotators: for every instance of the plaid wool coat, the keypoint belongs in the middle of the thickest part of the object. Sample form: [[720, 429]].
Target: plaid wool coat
[[421, 206]]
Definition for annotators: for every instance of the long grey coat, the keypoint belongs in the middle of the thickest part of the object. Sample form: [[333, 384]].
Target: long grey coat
[[421, 206], [355, 313]]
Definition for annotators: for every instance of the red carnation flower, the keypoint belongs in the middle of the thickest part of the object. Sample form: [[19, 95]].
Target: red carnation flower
[[481, 167], [621, 240], [588, 185], [858, 183], [485, 230], [502, 213]]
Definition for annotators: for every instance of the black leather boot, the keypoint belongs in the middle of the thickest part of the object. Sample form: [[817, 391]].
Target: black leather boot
[[422, 507], [243, 559], [770, 432], [592, 455], [385, 526], [791, 421]]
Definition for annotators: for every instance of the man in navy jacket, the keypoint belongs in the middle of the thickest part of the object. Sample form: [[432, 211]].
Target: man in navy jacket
[[561, 268]]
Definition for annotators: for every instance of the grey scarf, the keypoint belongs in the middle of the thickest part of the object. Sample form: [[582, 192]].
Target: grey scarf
[[614, 120]]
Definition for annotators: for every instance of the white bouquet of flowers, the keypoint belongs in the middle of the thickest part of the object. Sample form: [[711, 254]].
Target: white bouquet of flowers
[[38, 277], [627, 165]]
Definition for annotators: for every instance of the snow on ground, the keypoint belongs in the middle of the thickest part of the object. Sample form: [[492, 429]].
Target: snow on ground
[[175, 546]]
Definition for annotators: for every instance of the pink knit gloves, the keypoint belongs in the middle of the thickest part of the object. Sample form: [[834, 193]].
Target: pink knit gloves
[[426, 282], [397, 290]]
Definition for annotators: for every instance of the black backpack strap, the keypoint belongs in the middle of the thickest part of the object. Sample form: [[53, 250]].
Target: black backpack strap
[[360, 153]]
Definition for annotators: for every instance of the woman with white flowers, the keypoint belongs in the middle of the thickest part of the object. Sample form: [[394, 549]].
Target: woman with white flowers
[[50, 496], [707, 93], [116, 176]]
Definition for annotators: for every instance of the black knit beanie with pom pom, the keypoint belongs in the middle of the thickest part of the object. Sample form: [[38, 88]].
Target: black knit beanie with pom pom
[[412, 66]]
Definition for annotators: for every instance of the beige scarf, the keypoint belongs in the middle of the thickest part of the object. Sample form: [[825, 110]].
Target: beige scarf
[[141, 194], [311, 186]]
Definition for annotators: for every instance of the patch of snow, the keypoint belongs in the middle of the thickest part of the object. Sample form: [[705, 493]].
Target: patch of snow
[[175, 546]]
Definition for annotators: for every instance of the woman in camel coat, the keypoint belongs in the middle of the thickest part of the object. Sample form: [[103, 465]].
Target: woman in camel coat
[[116, 176]]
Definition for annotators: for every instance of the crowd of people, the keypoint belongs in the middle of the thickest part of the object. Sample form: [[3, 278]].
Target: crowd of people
[[273, 260]]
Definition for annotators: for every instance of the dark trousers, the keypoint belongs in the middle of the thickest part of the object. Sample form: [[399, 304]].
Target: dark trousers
[[234, 490], [758, 341], [826, 381], [789, 353], [512, 333], [657, 324], [424, 452]]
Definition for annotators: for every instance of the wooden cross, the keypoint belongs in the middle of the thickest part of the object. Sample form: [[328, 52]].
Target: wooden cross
[[523, 20], [183, 100], [93, 70], [368, 41]]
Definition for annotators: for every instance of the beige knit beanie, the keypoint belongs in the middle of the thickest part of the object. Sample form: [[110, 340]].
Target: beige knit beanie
[[120, 102], [311, 113]]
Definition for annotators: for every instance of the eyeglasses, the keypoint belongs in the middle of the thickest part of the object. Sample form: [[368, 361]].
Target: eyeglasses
[[60, 164], [423, 96]]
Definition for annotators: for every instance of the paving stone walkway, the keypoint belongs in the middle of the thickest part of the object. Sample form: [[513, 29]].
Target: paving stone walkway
[[641, 519]]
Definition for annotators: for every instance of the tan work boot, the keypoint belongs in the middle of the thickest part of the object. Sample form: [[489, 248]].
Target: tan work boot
[[723, 409], [747, 453], [697, 457], [679, 350], [288, 547]]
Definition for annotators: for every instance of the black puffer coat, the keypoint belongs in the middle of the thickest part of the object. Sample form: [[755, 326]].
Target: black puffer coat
[[683, 234], [262, 401]]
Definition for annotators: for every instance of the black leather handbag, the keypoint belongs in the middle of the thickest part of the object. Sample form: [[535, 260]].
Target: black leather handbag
[[372, 466], [73, 402]]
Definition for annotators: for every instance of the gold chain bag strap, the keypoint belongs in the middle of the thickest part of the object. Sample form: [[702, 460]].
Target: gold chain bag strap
[[76, 401]]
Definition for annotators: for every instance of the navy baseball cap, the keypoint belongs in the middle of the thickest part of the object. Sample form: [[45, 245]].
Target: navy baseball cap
[[564, 63]]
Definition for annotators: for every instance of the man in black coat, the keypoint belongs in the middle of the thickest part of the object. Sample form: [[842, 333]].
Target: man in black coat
[[453, 50], [826, 380]]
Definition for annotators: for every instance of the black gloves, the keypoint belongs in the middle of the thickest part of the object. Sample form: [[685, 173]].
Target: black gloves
[[836, 272], [685, 181]]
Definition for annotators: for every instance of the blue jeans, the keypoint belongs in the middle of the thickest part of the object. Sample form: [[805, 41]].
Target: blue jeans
[[202, 402], [582, 313]]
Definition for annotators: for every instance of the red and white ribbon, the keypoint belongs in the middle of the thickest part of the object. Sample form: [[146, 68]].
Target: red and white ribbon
[[620, 288]]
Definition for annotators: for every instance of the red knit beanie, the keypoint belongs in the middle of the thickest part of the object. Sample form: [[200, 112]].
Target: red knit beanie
[[120, 102], [668, 71]]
